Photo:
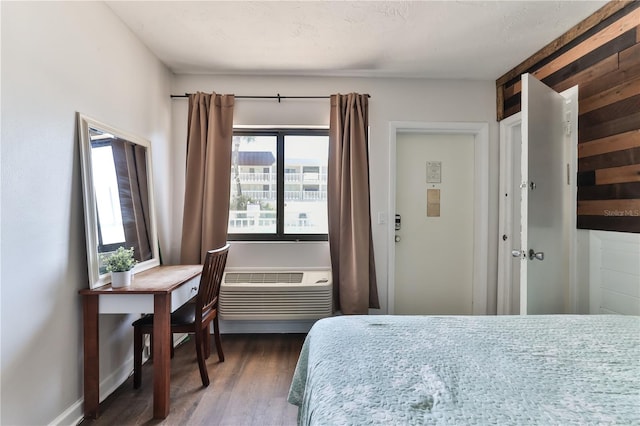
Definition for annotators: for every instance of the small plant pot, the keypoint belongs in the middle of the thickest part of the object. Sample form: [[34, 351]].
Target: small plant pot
[[121, 279]]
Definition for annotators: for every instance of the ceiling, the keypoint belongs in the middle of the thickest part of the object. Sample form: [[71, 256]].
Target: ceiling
[[430, 39]]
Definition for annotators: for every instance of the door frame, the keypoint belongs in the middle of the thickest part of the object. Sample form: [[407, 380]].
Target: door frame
[[571, 191], [505, 216], [480, 132]]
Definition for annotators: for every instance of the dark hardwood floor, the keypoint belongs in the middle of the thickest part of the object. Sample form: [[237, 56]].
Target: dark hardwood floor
[[249, 388]]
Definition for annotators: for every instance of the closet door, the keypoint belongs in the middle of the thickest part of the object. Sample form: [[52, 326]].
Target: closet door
[[545, 232]]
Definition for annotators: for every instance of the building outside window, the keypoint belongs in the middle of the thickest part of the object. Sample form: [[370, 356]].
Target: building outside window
[[288, 199]]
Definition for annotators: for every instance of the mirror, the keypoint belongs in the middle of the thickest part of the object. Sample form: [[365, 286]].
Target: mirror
[[118, 197]]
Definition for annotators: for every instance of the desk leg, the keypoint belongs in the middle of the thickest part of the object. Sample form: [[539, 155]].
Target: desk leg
[[161, 355], [91, 356]]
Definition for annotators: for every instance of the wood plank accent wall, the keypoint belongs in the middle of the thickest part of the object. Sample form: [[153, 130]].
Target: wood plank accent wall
[[602, 56]]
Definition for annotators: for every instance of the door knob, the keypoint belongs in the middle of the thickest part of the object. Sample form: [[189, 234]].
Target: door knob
[[397, 238], [533, 255], [516, 253]]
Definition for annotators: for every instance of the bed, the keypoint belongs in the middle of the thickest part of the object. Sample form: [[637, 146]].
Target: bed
[[469, 370]]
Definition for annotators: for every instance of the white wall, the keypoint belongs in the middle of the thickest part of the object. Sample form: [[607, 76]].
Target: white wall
[[614, 273], [59, 58], [391, 100]]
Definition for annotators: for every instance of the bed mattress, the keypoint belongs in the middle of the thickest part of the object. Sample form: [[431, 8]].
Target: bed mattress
[[471, 370]]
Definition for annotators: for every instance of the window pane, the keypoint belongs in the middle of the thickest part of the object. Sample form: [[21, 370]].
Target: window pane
[[107, 195], [305, 184], [252, 206]]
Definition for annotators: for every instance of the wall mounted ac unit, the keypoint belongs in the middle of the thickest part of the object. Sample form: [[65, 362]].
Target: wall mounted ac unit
[[275, 294]]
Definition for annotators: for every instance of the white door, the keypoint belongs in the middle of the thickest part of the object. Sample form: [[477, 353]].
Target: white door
[[435, 203], [544, 234]]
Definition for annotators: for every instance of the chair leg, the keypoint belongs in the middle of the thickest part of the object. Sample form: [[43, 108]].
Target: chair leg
[[206, 339], [137, 357], [216, 333], [201, 359], [171, 343]]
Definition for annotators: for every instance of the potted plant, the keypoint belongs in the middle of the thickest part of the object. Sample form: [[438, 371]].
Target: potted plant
[[120, 263]]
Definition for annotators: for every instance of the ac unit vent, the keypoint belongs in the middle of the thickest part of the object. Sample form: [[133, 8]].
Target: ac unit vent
[[263, 277], [276, 295]]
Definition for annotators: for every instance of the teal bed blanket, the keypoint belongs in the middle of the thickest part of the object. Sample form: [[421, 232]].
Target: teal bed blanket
[[471, 370]]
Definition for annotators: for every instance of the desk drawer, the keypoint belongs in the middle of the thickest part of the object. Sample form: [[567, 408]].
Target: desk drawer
[[133, 303], [184, 293]]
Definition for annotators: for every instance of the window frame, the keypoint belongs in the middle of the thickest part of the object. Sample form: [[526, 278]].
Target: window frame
[[280, 134]]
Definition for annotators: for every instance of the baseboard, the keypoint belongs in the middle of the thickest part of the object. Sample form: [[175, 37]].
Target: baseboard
[[71, 416], [74, 414], [115, 379], [245, 327]]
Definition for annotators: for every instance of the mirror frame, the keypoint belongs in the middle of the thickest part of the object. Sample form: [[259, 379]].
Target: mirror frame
[[90, 208]]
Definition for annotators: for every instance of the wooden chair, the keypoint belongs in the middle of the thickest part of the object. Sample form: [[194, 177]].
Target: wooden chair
[[193, 317]]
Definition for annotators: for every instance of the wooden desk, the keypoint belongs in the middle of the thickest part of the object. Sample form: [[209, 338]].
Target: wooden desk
[[160, 290]]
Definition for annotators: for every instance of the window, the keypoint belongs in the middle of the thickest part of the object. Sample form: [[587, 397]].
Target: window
[[288, 200], [111, 228]]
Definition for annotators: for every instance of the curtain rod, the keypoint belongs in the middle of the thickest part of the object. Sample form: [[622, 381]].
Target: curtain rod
[[278, 97]]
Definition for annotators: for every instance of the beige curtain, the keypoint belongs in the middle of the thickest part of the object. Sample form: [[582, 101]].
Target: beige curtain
[[350, 243], [208, 175]]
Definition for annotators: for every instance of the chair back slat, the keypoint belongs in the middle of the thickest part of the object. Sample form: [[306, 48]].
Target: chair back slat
[[212, 271]]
